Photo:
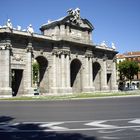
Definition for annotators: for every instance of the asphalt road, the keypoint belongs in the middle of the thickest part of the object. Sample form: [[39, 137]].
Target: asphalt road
[[96, 119]]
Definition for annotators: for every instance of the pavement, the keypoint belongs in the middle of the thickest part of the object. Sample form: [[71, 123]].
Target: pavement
[[98, 119]]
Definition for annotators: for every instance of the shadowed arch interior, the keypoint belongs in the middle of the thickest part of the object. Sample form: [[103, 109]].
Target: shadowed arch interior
[[43, 64], [97, 76], [75, 68], [96, 68]]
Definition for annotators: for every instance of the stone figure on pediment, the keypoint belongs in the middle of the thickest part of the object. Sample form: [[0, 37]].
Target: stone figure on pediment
[[30, 29], [113, 46], [9, 24]]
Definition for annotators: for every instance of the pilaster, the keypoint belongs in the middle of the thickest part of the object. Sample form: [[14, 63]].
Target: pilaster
[[114, 77], [28, 70], [88, 73], [104, 86], [5, 68], [61, 71]]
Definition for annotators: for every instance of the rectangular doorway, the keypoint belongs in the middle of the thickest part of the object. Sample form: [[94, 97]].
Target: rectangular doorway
[[17, 81]]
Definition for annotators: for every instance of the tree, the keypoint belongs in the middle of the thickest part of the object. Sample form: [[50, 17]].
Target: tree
[[128, 69], [35, 66]]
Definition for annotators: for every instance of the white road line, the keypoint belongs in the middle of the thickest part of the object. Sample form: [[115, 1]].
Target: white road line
[[53, 125], [129, 119], [136, 121], [110, 138], [76, 129], [100, 124]]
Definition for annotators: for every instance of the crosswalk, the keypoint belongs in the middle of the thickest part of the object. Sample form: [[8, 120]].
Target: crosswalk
[[95, 125]]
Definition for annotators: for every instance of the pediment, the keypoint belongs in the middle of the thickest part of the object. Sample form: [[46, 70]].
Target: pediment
[[73, 19]]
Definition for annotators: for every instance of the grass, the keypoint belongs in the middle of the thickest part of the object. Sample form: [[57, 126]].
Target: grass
[[72, 96]]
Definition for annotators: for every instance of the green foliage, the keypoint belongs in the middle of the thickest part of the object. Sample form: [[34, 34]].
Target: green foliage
[[35, 67], [128, 69]]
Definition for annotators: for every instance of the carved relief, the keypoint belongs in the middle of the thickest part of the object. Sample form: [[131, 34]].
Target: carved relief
[[59, 52], [17, 57]]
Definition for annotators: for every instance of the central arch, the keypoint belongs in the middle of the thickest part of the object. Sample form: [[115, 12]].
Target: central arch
[[96, 76], [43, 75], [76, 75]]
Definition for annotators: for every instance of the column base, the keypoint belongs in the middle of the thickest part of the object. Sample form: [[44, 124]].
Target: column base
[[115, 88], [61, 90], [88, 89], [104, 88], [6, 92], [28, 92]]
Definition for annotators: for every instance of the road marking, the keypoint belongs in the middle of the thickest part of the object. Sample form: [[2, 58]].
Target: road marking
[[110, 138], [112, 131], [53, 126], [136, 121], [84, 121], [100, 124], [70, 129]]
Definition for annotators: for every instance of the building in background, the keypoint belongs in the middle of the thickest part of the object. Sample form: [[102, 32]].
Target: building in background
[[130, 56]]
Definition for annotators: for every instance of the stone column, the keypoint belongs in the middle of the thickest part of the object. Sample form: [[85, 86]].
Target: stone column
[[5, 69], [68, 71], [63, 70], [92, 88], [104, 86], [114, 77], [90, 73], [28, 71], [54, 70], [86, 82]]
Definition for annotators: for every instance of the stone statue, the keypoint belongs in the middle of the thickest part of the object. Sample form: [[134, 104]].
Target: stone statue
[[113, 46], [9, 24], [30, 29], [18, 27], [103, 44], [75, 15]]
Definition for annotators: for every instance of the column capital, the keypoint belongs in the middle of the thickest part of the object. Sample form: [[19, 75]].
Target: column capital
[[105, 57], [29, 47], [66, 52], [88, 55], [60, 52], [6, 46]]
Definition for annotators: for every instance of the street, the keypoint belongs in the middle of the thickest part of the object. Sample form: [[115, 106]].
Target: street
[[90, 119]]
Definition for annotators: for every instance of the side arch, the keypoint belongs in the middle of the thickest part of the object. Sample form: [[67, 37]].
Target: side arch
[[42, 82], [76, 75], [96, 67]]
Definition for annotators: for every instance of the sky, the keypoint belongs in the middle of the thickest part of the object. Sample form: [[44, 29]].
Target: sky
[[116, 21]]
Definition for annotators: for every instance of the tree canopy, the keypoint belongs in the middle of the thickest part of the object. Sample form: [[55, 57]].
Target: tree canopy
[[128, 69]]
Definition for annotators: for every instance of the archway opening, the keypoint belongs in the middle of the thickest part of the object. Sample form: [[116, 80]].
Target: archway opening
[[42, 74], [109, 80], [76, 76], [96, 75], [17, 81]]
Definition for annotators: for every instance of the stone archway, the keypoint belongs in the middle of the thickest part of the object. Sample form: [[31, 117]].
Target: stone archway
[[43, 74], [96, 76], [76, 75]]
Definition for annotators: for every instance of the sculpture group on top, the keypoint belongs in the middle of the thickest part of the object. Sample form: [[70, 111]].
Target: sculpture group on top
[[74, 15]]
